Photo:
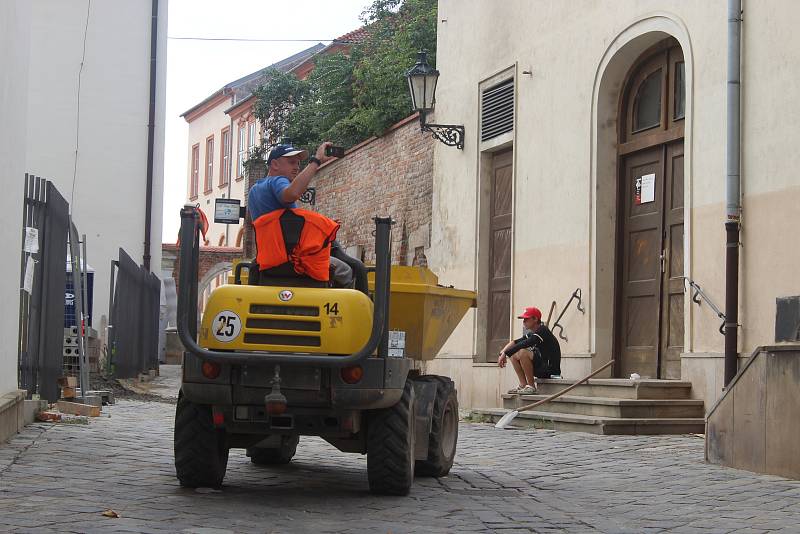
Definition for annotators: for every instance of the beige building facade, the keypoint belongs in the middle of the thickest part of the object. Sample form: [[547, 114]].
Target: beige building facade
[[595, 160]]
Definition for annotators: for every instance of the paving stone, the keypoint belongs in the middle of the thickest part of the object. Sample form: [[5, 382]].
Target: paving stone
[[60, 478]]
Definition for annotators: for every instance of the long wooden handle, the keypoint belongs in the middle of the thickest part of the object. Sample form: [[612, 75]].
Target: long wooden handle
[[573, 386]]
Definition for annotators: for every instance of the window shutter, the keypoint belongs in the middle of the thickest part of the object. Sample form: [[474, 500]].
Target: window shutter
[[497, 110]]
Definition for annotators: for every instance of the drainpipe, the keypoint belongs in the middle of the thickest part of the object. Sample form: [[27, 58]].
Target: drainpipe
[[230, 176], [733, 206], [148, 202]]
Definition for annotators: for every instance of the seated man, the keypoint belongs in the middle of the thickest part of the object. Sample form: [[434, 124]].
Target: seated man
[[543, 359], [283, 186]]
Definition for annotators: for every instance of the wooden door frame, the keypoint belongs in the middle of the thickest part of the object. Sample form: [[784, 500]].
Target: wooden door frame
[[660, 137]]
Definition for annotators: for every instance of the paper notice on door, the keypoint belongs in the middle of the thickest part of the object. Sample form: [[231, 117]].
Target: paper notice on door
[[27, 283], [31, 245], [648, 188]]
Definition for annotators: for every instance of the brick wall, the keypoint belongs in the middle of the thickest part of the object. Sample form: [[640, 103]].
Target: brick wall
[[387, 175], [209, 257]]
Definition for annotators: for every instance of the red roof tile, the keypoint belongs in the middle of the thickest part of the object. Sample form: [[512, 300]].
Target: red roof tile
[[353, 37]]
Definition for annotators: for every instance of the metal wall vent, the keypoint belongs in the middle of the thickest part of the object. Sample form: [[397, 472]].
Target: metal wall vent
[[497, 110]]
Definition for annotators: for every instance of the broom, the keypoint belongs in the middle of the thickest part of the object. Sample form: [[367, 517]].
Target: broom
[[507, 418]]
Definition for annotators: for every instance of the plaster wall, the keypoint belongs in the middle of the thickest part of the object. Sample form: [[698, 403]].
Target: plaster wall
[[107, 194], [577, 55], [14, 50]]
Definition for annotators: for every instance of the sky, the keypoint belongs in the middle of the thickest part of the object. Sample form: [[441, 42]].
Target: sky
[[196, 69]]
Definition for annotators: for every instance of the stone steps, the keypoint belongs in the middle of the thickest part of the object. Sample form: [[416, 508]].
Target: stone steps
[[609, 406], [612, 407], [599, 425], [619, 388]]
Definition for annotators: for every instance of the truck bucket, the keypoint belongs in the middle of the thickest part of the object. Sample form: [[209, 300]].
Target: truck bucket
[[427, 312]]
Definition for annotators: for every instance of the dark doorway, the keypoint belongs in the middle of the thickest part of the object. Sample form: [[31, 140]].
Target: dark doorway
[[649, 322]]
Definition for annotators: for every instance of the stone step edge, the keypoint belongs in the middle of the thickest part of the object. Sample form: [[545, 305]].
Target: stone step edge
[[620, 382], [609, 401], [593, 419]]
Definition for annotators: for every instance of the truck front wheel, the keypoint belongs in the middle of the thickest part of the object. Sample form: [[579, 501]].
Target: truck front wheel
[[444, 429], [201, 453], [390, 446]]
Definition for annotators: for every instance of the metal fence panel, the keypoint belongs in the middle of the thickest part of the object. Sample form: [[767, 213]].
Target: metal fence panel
[[42, 312], [133, 340]]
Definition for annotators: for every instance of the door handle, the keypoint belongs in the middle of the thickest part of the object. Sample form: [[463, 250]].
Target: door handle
[[662, 257]]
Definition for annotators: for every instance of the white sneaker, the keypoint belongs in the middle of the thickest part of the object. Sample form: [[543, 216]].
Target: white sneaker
[[528, 390]]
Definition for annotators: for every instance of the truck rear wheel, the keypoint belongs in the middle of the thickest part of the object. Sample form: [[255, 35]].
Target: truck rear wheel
[[275, 456], [201, 454], [390, 446], [444, 429]]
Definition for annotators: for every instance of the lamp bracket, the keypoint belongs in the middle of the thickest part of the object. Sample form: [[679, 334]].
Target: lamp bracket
[[449, 134]]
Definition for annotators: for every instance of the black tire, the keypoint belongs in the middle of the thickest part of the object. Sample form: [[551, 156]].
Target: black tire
[[201, 453], [275, 456], [390, 446], [444, 429]]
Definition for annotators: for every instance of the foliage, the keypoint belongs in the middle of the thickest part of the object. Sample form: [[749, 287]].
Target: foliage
[[348, 98], [275, 101]]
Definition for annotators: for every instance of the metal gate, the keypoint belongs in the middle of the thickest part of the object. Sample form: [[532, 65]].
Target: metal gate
[[42, 281], [133, 318]]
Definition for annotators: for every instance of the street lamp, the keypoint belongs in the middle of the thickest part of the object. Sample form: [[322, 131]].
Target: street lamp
[[422, 86]]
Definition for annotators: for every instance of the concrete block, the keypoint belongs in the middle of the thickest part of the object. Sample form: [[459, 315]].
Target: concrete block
[[31, 408], [76, 408], [11, 413], [93, 400], [106, 396]]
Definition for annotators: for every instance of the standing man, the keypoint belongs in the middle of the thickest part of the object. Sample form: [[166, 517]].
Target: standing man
[[283, 186], [542, 359]]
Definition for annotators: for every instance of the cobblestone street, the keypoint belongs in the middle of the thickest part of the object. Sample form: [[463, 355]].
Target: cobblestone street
[[61, 478]]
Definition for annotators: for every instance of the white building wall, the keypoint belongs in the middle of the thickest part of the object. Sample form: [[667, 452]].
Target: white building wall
[[14, 26], [108, 200], [212, 122], [561, 46]]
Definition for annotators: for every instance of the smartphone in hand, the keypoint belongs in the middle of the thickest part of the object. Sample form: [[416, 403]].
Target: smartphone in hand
[[334, 151]]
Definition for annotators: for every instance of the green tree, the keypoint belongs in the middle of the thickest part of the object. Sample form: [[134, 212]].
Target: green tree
[[347, 99], [275, 101]]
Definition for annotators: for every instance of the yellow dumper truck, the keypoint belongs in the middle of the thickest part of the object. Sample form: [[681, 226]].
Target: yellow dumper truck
[[274, 360]]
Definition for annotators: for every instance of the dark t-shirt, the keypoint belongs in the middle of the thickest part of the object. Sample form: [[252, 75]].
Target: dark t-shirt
[[542, 341]]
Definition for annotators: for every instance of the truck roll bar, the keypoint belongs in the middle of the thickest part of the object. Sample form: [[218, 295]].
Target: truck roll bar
[[187, 302]]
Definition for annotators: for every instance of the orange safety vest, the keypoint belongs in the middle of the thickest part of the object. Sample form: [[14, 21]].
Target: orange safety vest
[[298, 237]]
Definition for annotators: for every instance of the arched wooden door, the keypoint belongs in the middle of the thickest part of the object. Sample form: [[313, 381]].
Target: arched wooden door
[[649, 322]]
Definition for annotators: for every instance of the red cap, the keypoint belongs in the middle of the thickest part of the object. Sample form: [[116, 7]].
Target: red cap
[[527, 313]]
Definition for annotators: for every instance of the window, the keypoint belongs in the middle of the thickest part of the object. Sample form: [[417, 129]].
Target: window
[[194, 173], [647, 109], [209, 179], [654, 98], [251, 136], [225, 158], [680, 91], [242, 152]]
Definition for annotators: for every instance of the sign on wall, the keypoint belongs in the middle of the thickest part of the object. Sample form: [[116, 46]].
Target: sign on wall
[[645, 189]]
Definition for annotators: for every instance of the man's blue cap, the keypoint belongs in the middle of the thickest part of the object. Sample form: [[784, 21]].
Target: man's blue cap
[[281, 151]]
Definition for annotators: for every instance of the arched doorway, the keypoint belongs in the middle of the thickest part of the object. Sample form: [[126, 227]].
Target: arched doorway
[[649, 325]]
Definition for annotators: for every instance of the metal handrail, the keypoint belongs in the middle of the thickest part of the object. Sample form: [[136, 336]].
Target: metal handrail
[[187, 303], [698, 292], [575, 295]]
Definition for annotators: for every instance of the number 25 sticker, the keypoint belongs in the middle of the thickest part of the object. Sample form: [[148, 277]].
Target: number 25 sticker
[[226, 326]]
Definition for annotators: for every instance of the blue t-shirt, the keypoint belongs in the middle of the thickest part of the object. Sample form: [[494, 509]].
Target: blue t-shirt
[[265, 196]]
